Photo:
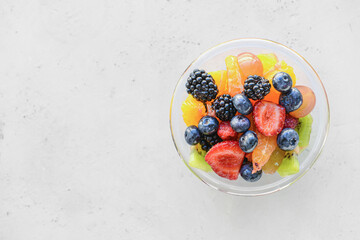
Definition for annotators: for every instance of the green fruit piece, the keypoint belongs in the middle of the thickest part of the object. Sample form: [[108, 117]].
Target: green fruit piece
[[274, 162], [200, 150], [197, 160], [290, 164], [304, 130]]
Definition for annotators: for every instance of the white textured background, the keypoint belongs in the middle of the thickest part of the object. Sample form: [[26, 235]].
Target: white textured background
[[85, 148]]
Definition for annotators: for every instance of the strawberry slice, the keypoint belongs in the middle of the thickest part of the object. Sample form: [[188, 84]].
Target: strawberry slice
[[225, 159], [226, 132], [269, 118]]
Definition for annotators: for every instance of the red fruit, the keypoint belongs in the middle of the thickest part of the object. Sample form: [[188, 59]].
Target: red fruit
[[290, 122], [225, 159], [269, 118], [226, 132]]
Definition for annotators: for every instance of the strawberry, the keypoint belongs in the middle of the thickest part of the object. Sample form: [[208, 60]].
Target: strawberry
[[225, 159], [269, 118], [290, 122], [226, 132]]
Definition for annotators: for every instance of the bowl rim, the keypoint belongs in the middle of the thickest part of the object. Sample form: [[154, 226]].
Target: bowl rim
[[305, 170]]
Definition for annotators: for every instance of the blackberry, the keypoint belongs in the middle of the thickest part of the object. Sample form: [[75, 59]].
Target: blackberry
[[209, 141], [256, 87], [224, 108], [201, 86]]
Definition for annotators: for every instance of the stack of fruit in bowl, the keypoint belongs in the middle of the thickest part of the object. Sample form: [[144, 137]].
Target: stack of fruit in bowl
[[248, 119]]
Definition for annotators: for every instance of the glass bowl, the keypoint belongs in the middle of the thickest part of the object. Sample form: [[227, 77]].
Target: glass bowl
[[213, 60]]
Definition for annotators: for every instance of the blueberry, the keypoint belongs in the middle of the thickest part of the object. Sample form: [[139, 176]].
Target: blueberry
[[240, 123], [291, 100], [242, 104], [208, 125], [288, 139], [246, 172], [248, 141], [192, 135], [282, 82]]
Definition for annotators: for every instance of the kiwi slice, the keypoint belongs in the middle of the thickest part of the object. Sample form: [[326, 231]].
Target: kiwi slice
[[197, 160], [200, 150], [304, 130], [290, 164]]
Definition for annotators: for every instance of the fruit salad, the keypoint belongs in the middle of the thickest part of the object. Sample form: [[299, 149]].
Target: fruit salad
[[248, 119]]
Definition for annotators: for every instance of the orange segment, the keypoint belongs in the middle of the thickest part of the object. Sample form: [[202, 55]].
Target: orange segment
[[274, 162], [211, 111], [235, 76], [263, 151], [268, 61], [249, 156], [221, 81], [273, 95], [252, 123], [193, 111], [281, 67]]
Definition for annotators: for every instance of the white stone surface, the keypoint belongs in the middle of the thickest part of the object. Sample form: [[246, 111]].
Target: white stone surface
[[86, 151]]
